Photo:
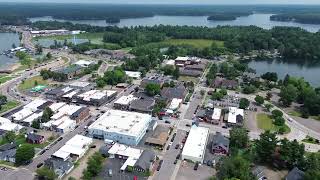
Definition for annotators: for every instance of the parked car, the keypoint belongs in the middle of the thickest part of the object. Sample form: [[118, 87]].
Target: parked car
[[177, 146], [175, 161], [168, 147], [39, 165], [168, 122], [135, 178], [196, 166], [178, 156], [110, 172], [160, 164]]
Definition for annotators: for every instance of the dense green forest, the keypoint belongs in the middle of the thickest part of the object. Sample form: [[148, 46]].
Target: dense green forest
[[115, 12], [305, 18], [291, 42], [227, 16]]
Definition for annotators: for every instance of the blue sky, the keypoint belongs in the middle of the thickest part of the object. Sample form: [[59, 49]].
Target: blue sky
[[176, 1]]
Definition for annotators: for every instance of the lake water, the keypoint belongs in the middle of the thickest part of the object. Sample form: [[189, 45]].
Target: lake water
[[310, 72], [6, 41], [260, 20]]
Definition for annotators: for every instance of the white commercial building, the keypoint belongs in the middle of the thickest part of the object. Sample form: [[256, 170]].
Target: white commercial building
[[74, 148], [121, 126], [195, 146], [28, 110], [66, 110], [84, 63], [175, 104], [7, 125], [56, 106], [64, 124], [235, 115], [216, 114], [125, 152], [28, 121], [124, 102], [133, 74]]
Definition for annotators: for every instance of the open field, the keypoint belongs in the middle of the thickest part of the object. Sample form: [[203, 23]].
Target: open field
[[265, 122], [189, 79], [9, 105], [95, 38], [30, 83], [197, 43], [295, 113]]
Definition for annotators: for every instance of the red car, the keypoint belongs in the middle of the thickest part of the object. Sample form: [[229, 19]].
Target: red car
[[135, 178]]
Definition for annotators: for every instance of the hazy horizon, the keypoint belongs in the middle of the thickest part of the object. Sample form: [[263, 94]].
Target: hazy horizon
[[199, 2]]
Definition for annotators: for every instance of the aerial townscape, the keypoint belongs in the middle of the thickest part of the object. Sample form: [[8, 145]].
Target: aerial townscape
[[159, 92]]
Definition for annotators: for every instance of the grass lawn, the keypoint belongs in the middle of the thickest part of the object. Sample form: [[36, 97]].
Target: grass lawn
[[295, 113], [9, 105], [315, 118], [188, 79], [197, 43], [95, 38], [5, 79], [265, 122], [30, 83]]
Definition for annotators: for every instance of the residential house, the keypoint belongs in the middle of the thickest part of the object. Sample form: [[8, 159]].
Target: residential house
[[145, 161], [59, 166], [295, 174], [154, 79], [8, 155], [33, 138], [235, 116], [225, 83], [220, 144]]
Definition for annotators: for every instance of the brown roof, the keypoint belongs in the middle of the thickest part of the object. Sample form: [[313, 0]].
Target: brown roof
[[159, 136]]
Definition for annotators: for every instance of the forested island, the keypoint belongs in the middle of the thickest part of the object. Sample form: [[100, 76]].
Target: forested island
[[290, 42], [227, 16], [305, 18]]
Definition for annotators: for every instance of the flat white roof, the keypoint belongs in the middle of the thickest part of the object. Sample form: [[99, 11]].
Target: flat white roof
[[33, 117], [23, 113], [76, 145], [83, 63], [175, 103], [122, 122], [216, 113], [233, 113], [123, 150], [196, 142], [66, 89], [170, 62], [60, 121], [35, 104], [56, 106], [66, 110], [125, 100], [133, 74], [66, 123], [179, 58], [7, 125], [80, 84], [70, 94], [96, 94], [47, 124]]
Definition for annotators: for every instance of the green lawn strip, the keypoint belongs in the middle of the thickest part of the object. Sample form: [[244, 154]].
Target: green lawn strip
[[189, 79], [311, 140], [30, 83], [9, 105], [295, 113], [5, 79], [315, 118], [6, 163], [265, 122]]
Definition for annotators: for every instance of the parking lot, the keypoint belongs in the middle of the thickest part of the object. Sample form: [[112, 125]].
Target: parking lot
[[186, 172], [115, 165]]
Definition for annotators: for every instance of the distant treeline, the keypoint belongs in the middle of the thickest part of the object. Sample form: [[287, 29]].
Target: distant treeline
[[291, 42], [227, 16], [305, 18], [115, 12]]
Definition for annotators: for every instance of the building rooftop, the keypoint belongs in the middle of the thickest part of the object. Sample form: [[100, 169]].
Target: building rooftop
[[216, 113], [196, 142], [56, 106], [66, 110], [70, 69], [123, 150], [23, 113], [133, 74], [123, 122], [125, 100], [80, 84], [33, 117], [96, 94], [84, 63], [159, 136], [35, 104], [66, 123], [175, 103], [142, 104], [234, 114]]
